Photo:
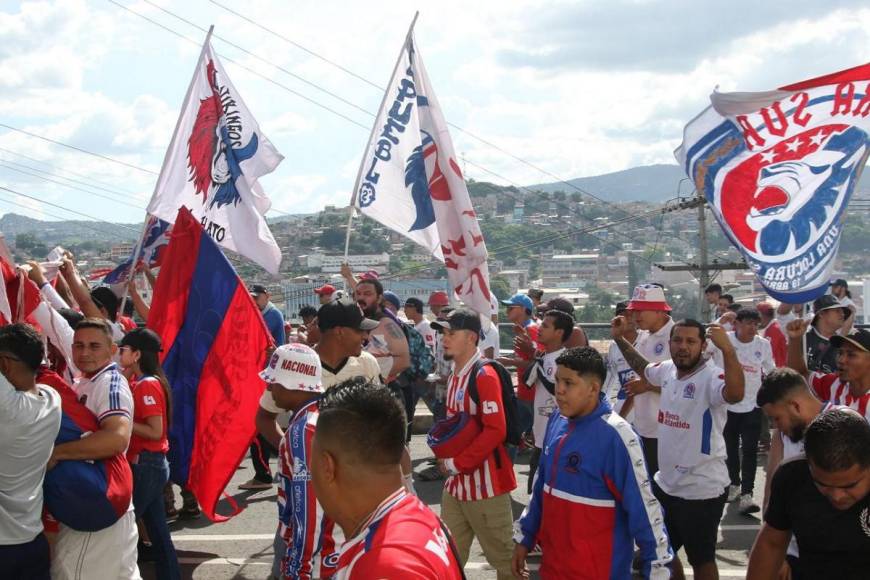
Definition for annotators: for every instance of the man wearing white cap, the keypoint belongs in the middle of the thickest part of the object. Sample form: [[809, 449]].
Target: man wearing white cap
[[293, 377], [650, 310]]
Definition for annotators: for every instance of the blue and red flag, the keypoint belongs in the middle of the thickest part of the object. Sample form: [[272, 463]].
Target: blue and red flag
[[151, 251], [778, 169], [85, 495], [215, 345]]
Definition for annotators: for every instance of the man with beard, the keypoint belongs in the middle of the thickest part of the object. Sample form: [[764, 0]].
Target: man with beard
[[692, 476], [786, 399], [823, 501], [387, 342], [850, 385]]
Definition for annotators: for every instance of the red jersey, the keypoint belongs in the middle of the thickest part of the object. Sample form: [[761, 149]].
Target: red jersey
[[485, 470], [148, 401], [828, 387], [524, 392], [778, 344], [401, 539]]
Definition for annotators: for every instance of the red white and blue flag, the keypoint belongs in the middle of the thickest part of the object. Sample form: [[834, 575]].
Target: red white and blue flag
[[778, 169], [150, 252], [410, 182], [216, 156], [215, 344]]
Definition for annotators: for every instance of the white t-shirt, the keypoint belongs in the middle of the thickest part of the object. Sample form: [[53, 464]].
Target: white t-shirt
[[28, 426], [544, 403], [691, 420], [364, 365], [654, 348], [490, 340], [424, 327], [756, 358], [379, 346], [618, 373]]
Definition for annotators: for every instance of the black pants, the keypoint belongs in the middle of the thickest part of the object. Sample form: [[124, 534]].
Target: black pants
[[261, 451], [742, 429], [28, 561], [650, 455]]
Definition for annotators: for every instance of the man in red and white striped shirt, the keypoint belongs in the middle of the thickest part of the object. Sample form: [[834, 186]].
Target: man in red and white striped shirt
[[476, 499], [356, 452], [850, 385]]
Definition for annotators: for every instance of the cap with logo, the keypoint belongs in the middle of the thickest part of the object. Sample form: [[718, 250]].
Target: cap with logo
[[325, 290], [296, 367], [829, 302], [840, 282], [258, 289], [860, 339], [459, 319], [343, 312], [648, 297], [414, 303], [520, 300]]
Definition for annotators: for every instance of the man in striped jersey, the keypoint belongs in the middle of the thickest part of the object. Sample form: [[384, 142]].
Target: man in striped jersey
[[110, 552], [850, 385], [476, 499], [293, 376], [356, 473]]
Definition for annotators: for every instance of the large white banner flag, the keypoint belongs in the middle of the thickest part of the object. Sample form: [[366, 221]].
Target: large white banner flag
[[778, 169], [410, 182], [214, 160]]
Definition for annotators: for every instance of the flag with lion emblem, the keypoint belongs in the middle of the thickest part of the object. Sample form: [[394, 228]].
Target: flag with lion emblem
[[214, 160], [778, 169]]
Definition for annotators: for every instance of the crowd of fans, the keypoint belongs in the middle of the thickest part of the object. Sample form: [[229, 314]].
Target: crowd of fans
[[633, 455]]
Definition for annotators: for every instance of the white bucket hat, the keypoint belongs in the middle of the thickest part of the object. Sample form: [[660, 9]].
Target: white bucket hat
[[295, 367]]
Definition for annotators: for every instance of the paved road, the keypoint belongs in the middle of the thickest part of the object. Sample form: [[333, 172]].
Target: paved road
[[242, 547]]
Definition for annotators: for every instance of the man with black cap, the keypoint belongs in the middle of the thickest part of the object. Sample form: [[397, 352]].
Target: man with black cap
[[271, 315], [850, 384], [828, 318], [840, 290], [476, 499]]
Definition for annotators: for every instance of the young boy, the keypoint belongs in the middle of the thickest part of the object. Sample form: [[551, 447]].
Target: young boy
[[592, 499]]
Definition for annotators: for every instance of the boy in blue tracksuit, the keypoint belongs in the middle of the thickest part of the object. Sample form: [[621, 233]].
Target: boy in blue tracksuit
[[592, 499]]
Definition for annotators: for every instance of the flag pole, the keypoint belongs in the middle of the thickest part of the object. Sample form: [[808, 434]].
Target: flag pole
[[138, 250], [371, 136]]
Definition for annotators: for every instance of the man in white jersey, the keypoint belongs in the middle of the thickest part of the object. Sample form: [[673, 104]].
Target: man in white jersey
[[743, 428], [692, 476], [650, 311], [111, 552], [618, 372], [556, 328], [786, 399]]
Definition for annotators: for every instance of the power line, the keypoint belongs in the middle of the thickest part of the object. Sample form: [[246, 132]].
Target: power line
[[82, 175], [90, 217], [3, 164], [54, 215]]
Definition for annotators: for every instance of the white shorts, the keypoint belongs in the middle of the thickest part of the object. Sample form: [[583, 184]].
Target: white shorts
[[109, 554]]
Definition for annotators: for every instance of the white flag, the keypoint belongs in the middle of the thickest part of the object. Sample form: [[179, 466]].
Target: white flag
[[410, 182], [216, 156]]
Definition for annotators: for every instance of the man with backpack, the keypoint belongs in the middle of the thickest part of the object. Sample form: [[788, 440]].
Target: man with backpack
[[476, 501]]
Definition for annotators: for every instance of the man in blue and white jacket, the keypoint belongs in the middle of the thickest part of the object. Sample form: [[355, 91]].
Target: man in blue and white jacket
[[592, 500]]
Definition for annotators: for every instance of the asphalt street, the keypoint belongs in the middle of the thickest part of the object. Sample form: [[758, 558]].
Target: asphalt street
[[242, 547]]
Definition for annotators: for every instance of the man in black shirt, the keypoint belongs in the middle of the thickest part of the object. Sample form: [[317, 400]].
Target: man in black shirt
[[829, 316], [824, 500]]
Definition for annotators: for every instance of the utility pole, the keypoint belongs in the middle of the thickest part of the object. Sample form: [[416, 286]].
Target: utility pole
[[704, 278]]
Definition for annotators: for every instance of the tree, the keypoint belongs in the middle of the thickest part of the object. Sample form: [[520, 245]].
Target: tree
[[500, 287]]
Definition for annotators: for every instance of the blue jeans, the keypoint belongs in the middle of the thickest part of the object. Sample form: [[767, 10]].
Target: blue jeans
[[150, 475]]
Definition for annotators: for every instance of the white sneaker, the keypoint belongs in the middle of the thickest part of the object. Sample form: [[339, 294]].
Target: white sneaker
[[746, 505], [733, 492]]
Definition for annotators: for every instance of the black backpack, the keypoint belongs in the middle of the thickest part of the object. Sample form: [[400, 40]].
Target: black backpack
[[513, 435]]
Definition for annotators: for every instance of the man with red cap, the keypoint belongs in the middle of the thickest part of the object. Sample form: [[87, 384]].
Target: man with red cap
[[650, 309], [325, 293]]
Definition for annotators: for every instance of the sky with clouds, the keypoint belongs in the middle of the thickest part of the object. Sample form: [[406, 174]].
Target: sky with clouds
[[574, 88]]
